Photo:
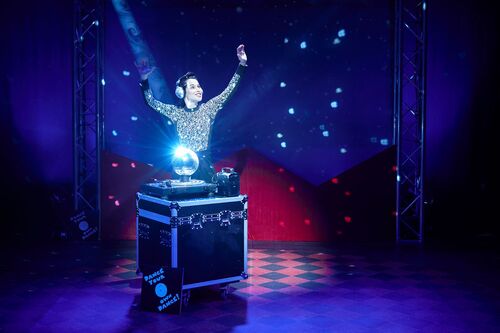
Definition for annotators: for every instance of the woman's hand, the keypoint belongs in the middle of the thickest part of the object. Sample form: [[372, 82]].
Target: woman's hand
[[144, 68], [242, 56]]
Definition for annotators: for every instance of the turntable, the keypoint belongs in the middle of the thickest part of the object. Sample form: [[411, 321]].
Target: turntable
[[175, 189]]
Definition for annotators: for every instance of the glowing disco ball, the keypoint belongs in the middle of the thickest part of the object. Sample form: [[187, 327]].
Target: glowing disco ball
[[185, 162]]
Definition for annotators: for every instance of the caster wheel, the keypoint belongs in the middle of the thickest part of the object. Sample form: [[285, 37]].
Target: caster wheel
[[224, 290]]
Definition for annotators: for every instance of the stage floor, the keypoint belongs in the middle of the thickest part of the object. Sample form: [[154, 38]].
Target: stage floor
[[293, 287]]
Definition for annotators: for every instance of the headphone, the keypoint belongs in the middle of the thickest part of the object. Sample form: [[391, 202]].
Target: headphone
[[179, 91]]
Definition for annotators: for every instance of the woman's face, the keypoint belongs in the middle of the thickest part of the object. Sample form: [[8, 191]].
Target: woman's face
[[194, 93]]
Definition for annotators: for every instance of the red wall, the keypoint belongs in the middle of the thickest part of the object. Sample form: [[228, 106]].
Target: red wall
[[358, 204]]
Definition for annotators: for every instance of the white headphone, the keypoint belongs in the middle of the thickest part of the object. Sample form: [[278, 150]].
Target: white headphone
[[179, 91]]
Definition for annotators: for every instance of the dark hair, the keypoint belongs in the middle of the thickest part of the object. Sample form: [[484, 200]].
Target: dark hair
[[181, 82]]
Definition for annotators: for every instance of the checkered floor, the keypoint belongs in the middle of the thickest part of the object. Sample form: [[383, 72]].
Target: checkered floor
[[93, 287]]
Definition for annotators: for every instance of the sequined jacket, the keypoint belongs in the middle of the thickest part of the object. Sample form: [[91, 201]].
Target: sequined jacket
[[194, 125]]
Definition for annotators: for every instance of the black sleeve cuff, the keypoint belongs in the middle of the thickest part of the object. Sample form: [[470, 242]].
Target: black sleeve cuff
[[241, 69], [144, 84]]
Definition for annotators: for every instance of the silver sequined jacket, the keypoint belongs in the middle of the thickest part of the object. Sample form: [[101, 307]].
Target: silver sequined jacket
[[194, 125]]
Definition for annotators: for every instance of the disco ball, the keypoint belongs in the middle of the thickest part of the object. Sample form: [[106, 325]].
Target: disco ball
[[185, 162]]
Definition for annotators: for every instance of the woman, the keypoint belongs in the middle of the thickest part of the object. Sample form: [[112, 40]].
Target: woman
[[193, 119]]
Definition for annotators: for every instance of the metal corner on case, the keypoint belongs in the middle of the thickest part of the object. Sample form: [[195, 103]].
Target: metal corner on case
[[174, 205]]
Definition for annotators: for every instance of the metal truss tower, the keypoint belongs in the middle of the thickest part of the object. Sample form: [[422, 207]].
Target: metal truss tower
[[409, 116], [88, 89]]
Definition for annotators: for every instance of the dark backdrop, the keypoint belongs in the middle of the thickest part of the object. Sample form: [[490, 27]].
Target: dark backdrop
[[462, 96]]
